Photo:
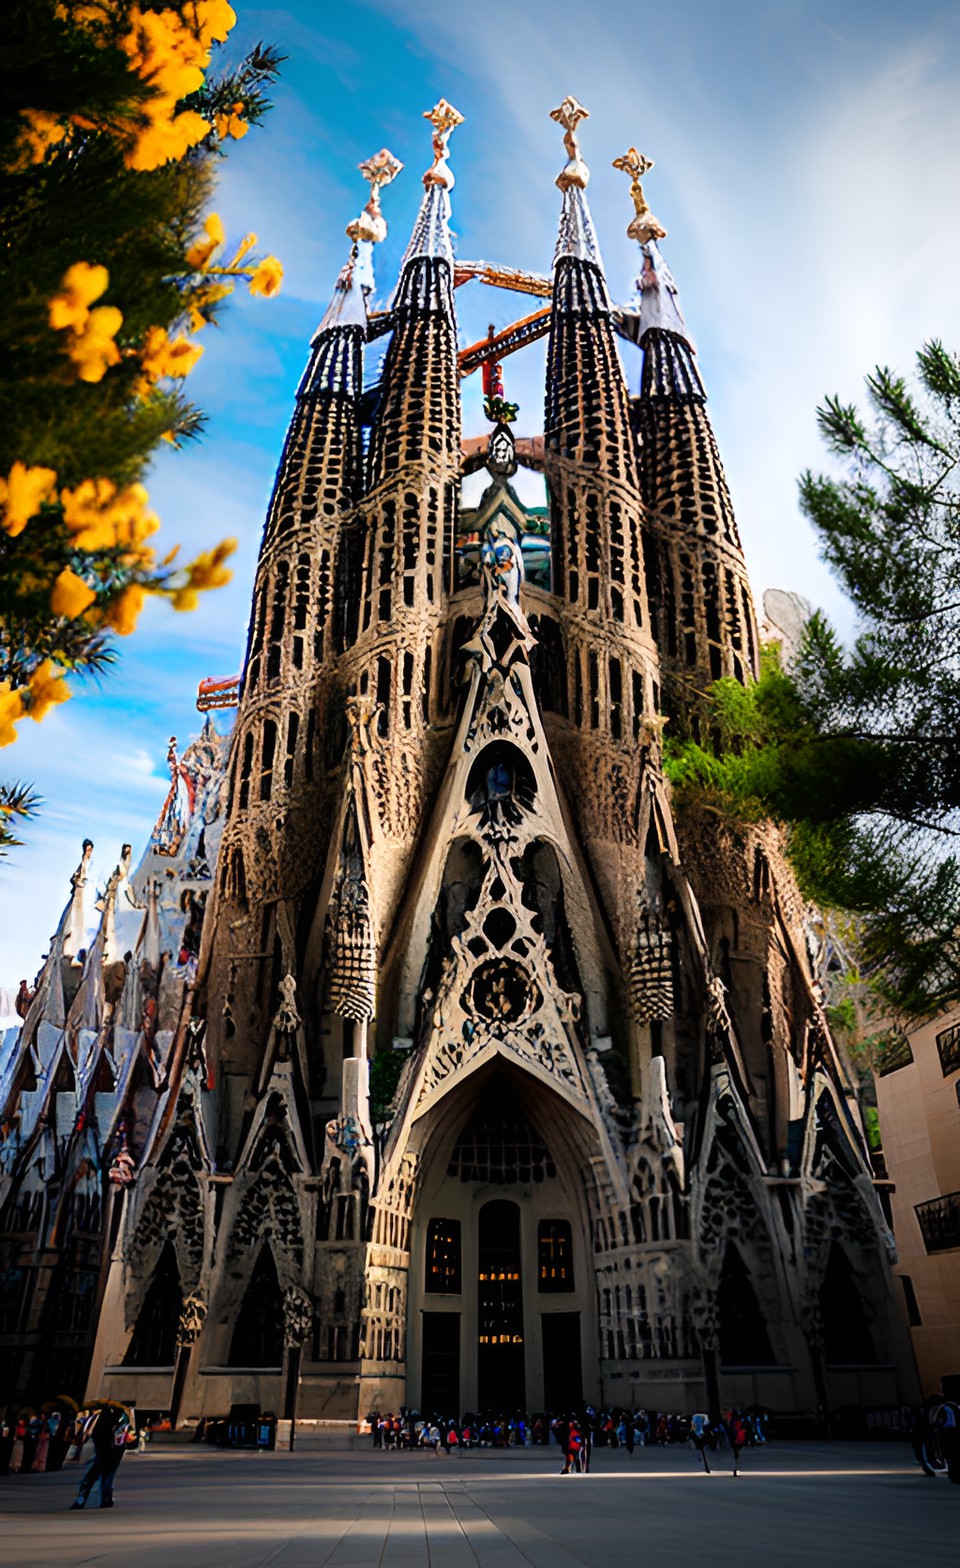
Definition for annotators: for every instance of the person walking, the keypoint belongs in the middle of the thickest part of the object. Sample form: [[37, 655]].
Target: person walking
[[109, 1434], [737, 1433], [699, 1435], [574, 1449]]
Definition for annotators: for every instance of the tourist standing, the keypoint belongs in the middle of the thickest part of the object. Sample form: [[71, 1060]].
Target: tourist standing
[[19, 1443], [109, 1434]]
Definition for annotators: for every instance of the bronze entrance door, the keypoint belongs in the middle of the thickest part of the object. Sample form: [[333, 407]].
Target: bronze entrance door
[[440, 1395], [562, 1379], [501, 1385]]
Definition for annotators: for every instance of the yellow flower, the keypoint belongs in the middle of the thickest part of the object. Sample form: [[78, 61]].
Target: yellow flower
[[71, 595], [163, 356], [199, 254], [93, 350], [42, 131], [90, 332], [165, 52], [123, 611], [22, 494], [171, 55], [232, 124], [86, 512], [207, 571], [267, 277], [101, 517], [81, 284], [214, 20], [11, 709], [47, 688], [163, 140]]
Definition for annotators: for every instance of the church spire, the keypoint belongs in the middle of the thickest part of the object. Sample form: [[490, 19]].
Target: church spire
[[419, 403], [590, 455], [576, 236], [701, 607]]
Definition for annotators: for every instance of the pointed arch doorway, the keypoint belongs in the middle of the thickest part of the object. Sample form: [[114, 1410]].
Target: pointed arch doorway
[[500, 1308]]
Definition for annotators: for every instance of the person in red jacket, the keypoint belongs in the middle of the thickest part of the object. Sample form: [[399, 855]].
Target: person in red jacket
[[737, 1433]]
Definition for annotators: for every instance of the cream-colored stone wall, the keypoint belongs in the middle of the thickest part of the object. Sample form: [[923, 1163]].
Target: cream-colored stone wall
[[920, 1125]]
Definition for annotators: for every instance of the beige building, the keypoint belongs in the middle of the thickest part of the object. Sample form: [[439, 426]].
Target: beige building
[[919, 1106]]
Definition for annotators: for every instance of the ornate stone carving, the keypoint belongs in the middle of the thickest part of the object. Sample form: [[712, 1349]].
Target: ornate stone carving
[[287, 1020], [643, 226], [297, 1316], [575, 172], [192, 1318], [371, 225], [444, 118], [651, 967]]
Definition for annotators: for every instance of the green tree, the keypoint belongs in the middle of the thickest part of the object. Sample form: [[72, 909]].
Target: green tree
[[856, 750], [112, 124]]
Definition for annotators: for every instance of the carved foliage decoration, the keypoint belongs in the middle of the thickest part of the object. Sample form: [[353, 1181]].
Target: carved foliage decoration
[[269, 1208], [350, 933], [651, 969], [297, 1316], [728, 1212], [174, 1211], [192, 1318]]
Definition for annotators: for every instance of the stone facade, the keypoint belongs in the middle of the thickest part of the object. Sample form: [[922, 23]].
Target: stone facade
[[495, 1087]]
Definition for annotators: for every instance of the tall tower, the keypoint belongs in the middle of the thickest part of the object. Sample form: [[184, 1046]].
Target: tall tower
[[289, 734], [590, 462], [700, 600], [406, 523]]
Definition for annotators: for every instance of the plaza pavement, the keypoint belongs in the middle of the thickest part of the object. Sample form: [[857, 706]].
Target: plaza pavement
[[815, 1505]]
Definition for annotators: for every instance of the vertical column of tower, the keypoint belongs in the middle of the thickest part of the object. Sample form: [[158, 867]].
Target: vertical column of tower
[[406, 520], [705, 627], [700, 601], [595, 520], [593, 484], [278, 823]]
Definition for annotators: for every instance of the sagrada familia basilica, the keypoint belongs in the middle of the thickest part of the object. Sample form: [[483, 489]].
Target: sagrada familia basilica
[[428, 1057]]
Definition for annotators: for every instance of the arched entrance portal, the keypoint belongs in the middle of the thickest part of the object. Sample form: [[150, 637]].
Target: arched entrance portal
[[500, 1305]]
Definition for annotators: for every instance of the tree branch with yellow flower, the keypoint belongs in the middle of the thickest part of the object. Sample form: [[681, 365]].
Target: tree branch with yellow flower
[[113, 121]]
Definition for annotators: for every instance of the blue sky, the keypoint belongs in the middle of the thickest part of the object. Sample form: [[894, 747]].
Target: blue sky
[[807, 170]]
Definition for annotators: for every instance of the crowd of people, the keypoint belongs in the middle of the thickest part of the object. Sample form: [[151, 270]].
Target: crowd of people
[[35, 1443], [576, 1433]]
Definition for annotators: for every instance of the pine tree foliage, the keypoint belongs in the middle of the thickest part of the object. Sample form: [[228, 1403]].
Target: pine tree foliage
[[112, 123], [18, 803], [856, 750]]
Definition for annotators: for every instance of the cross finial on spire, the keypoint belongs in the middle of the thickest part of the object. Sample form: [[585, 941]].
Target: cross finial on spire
[[643, 227], [569, 114], [379, 170], [444, 118]]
